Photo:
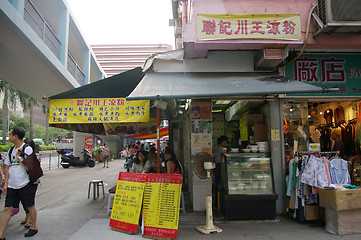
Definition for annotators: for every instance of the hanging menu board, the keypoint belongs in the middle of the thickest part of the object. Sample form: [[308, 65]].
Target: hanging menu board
[[127, 202], [161, 205]]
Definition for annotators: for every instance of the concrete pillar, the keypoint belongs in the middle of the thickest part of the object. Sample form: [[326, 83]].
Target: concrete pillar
[[79, 141], [19, 6], [86, 64], [63, 35], [277, 151]]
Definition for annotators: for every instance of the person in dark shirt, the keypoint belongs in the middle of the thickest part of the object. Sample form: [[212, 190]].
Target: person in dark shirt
[[338, 146]]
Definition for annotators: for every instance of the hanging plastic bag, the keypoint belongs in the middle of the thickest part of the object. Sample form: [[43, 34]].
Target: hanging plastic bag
[[14, 211]]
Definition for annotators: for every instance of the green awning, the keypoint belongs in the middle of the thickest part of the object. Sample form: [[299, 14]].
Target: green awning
[[117, 86], [155, 85]]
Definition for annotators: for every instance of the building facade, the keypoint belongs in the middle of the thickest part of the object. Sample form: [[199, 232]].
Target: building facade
[[42, 46], [118, 58], [315, 42]]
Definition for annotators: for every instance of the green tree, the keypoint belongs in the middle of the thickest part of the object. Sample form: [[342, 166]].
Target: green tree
[[11, 94], [28, 103]]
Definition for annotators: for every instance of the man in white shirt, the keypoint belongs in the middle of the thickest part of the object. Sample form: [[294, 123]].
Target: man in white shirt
[[17, 185]]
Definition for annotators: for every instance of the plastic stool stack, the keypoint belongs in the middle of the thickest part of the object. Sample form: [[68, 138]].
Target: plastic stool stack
[[110, 203], [96, 185]]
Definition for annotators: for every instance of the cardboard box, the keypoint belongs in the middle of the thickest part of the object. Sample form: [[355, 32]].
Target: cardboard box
[[254, 118], [260, 132], [343, 222], [312, 212], [340, 199]]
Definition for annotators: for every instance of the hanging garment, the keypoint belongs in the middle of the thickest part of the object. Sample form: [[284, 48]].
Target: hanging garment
[[290, 177], [315, 173], [325, 140], [339, 172], [316, 136], [339, 115], [327, 167], [328, 116]]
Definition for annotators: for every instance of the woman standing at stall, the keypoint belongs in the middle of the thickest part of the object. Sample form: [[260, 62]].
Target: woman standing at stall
[[173, 165]]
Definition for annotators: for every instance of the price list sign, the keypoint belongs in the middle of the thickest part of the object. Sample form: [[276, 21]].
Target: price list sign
[[161, 205], [127, 202]]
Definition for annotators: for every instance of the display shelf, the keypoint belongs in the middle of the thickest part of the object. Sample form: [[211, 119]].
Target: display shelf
[[249, 179], [248, 187]]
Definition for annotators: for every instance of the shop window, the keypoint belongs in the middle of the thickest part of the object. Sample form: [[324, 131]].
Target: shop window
[[315, 122]]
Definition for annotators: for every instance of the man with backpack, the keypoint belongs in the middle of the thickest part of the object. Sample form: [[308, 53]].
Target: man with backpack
[[18, 186]]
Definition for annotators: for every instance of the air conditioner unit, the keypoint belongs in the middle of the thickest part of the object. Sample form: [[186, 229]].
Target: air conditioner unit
[[339, 16]]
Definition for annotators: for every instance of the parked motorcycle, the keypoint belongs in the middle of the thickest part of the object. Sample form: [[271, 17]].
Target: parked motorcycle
[[68, 160]]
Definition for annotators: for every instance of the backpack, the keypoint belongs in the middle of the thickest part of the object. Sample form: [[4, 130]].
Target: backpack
[[32, 164]]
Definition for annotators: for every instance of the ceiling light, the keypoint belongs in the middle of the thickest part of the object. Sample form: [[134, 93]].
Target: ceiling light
[[222, 102], [217, 110]]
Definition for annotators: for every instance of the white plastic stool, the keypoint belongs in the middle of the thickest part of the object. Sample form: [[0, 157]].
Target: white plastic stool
[[110, 203], [182, 206], [96, 184]]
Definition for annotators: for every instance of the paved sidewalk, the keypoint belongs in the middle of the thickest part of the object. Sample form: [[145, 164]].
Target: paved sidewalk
[[279, 229], [65, 213]]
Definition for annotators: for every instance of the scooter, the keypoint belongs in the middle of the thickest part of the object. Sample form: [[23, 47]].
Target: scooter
[[68, 160]]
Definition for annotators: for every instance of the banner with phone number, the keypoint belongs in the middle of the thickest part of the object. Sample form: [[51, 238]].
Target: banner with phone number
[[161, 205], [127, 202]]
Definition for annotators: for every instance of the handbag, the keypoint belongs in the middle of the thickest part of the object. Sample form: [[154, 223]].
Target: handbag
[[33, 165]]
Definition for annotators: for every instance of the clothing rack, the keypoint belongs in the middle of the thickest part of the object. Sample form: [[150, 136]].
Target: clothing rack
[[354, 120]]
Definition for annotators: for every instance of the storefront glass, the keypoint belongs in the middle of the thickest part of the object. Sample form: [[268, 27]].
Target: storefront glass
[[315, 121]]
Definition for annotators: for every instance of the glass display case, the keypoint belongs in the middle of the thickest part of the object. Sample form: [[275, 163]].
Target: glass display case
[[248, 187], [248, 173]]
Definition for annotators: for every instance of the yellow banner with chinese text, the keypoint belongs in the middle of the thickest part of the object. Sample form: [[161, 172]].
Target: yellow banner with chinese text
[[249, 26], [98, 110]]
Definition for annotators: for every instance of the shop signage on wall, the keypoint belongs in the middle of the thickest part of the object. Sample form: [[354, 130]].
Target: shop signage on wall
[[248, 26], [202, 127], [97, 110], [334, 70]]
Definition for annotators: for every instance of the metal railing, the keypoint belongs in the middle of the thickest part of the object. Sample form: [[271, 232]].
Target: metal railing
[[41, 27], [49, 160], [75, 70]]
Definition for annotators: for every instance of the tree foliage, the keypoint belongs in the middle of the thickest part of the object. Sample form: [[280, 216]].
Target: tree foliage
[[39, 131]]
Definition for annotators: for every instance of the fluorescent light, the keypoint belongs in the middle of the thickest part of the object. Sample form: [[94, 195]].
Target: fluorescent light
[[219, 110], [222, 102]]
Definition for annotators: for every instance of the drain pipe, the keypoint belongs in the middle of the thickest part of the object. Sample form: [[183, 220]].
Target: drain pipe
[[306, 37]]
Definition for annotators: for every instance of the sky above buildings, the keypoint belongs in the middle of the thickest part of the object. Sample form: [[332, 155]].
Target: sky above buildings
[[124, 21]]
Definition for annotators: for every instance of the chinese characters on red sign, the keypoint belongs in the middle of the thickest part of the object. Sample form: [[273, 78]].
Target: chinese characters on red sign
[[245, 26], [210, 27]]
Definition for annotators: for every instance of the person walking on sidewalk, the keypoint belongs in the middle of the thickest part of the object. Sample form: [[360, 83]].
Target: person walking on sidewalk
[[17, 186], [106, 152]]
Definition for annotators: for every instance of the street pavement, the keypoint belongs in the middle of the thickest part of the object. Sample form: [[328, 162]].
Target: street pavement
[[66, 213]]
